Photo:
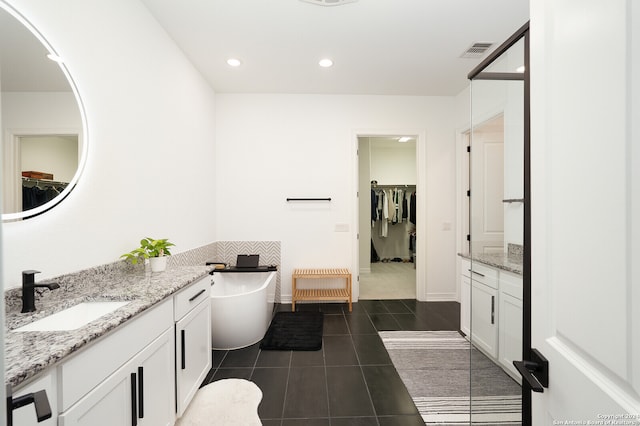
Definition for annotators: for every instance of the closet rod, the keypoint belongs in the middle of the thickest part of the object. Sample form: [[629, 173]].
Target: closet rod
[[45, 181], [393, 186], [308, 199]]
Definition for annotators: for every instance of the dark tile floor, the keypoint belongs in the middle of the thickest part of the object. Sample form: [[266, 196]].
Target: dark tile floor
[[351, 381]]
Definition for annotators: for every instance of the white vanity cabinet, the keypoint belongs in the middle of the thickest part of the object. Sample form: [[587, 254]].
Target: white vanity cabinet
[[192, 315], [139, 393], [510, 326], [125, 378], [26, 416], [484, 308], [491, 312]]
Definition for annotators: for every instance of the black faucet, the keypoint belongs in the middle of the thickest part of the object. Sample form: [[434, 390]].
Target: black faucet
[[28, 290]]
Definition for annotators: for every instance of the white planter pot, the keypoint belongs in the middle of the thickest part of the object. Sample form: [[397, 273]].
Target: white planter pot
[[158, 264]]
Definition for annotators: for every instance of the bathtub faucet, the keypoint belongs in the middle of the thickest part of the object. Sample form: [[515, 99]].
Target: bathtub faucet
[[28, 290]]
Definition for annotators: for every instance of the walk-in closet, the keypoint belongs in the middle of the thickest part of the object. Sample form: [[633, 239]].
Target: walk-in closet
[[388, 228]]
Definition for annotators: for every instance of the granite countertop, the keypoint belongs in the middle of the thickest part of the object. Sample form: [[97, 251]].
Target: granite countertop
[[29, 353], [497, 260]]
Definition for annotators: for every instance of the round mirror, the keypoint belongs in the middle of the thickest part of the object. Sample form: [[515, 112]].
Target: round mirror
[[43, 123]]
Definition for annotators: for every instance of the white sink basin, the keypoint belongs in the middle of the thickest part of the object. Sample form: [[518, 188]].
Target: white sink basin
[[74, 317]]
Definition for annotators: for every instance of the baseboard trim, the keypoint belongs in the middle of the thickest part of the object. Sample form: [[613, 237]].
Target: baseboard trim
[[442, 297]]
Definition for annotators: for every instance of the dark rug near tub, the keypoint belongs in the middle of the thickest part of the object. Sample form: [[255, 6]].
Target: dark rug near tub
[[294, 331]]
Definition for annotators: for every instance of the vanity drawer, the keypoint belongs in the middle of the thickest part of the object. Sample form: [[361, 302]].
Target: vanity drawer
[[483, 274], [89, 367], [191, 296]]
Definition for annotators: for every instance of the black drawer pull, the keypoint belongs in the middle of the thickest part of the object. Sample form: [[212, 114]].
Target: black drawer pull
[[183, 349], [197, 295], [141, 392], [134, 400], [477, 273]]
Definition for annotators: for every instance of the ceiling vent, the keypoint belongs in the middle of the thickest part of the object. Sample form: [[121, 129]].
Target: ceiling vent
[[329, 2], [477, 50]]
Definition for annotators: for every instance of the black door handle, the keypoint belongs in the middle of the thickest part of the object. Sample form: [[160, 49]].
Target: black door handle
[[535, 372], [39, 400]]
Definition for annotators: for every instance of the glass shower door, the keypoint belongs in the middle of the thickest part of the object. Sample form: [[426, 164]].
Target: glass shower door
[[497, 238]]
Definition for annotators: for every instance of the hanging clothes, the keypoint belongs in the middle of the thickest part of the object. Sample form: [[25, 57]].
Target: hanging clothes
[[374, 208], [412, 209], [391, 206], [384, 215], [405, 207]]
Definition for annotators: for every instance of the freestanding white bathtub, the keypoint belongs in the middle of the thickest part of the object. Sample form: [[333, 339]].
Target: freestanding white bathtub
[[241, 308]]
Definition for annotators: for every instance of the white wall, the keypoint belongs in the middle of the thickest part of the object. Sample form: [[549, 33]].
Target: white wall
[[270, 147], [151, 142], [393, 164], [31, 113], [53, 154]]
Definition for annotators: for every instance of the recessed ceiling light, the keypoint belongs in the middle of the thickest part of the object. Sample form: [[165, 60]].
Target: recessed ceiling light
[[325, 63], [233, 62], [54, 57]]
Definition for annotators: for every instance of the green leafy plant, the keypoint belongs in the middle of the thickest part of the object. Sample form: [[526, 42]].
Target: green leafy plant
[[149, 248]]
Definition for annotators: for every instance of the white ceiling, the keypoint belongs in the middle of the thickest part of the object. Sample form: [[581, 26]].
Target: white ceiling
[[379, 47]]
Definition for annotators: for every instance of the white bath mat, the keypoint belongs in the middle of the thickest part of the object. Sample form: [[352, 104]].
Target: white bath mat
[[231, 402]]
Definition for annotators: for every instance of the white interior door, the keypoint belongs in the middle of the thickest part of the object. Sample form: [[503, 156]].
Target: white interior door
[[585, 210], [487, 185]]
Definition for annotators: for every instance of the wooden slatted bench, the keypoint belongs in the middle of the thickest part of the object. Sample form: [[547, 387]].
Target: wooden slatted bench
[[317, 294]]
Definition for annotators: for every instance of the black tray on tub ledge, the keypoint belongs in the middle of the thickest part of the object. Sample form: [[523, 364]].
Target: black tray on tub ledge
[[227, 268]]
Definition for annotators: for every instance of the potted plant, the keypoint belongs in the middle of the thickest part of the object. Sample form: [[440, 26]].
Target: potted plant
[[154, 250]]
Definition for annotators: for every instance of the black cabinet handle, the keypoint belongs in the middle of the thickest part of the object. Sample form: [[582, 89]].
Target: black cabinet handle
[[535, 372], [477, 273], [182, 349], [493, 309], [134, 400], [197, 294], [141, 392], [38, 399]]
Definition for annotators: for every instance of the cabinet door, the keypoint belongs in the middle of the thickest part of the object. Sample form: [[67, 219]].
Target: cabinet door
[[110, 403], [26, 416], [156, 388], [465, 305], [484, 318], [510, 347], [193, 353], [116, 400]]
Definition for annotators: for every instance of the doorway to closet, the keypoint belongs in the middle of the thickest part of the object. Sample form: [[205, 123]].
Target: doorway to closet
[[387, 219]]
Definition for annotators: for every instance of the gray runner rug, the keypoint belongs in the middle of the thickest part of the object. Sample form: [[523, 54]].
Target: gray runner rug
[[434, 366]]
